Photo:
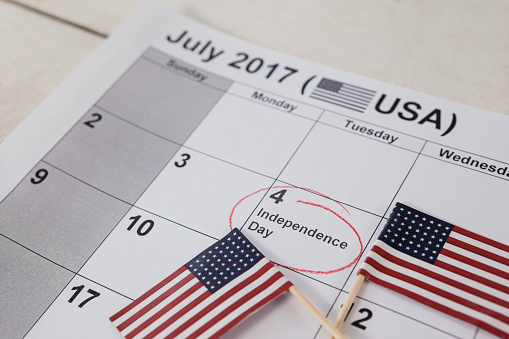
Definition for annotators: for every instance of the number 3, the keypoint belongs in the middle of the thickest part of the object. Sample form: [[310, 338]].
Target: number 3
[[185, 158]]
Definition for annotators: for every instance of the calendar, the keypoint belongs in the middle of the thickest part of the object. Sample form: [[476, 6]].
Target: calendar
[[173, 133]]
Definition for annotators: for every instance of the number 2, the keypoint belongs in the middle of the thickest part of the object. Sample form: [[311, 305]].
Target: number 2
[[90, 123], [358, 323]]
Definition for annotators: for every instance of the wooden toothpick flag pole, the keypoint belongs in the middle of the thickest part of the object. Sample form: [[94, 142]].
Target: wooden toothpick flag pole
[[335, 333], [349, 301]]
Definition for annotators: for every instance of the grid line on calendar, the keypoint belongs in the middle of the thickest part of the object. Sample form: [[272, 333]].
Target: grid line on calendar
[[342, 289], [180, 145]]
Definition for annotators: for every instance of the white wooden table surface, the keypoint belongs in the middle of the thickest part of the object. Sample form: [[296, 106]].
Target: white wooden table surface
[[455, 49]]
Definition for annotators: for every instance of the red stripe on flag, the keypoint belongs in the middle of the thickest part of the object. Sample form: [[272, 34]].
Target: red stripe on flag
[[437, 276], [434, 304], [472, 276], [165, 309], [480, 238], [436, 290], [479, 251], [474, 263], [147, 294], [215, 303], [250, 295], [260, 304], [155, 302]]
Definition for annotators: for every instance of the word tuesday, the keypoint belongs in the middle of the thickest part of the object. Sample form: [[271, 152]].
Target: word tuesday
[[380, 134]]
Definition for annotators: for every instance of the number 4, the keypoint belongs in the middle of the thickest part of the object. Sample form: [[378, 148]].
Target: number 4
[[278, 196]]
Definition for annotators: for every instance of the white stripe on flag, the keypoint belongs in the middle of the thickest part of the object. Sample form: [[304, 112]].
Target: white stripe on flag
[[436, 283], [472, 269], [480, 244], [476, 257], [441, 300], [444, 272]]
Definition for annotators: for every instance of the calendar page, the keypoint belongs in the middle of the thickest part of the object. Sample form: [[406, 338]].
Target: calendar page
[[173, 133]]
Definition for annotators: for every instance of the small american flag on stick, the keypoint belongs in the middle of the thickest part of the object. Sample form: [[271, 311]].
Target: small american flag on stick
[[443, 266], [207, 296], [342, 94]]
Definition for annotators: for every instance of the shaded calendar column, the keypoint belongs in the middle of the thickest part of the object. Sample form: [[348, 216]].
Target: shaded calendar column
[[59, 217], [111, 155], [29, 284], [164, 95]]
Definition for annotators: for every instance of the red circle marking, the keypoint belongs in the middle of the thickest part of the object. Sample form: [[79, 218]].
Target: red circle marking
[[315, 205]]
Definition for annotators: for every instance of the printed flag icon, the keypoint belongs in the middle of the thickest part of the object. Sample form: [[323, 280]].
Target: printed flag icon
[[447, 267], [207, 296], [342, 94]]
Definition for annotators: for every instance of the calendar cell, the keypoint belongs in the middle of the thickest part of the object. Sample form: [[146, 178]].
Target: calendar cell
[[29, 284], [369, 319], [81, 311], [250, 135], [286, 317], [368, 173], [463, 189], [59, 217], [187, 70], [161, 101], [289, 219], [134, 258], [195, 179], [404, 307], [112, 155]]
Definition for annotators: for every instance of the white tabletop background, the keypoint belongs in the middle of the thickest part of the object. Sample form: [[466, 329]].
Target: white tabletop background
[[458, 50]]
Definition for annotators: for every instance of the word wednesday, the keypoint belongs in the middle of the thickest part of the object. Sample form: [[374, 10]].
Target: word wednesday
[[290, 225], [380, 134]]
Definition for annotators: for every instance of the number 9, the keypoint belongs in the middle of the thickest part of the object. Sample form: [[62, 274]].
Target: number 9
[[40, 175]]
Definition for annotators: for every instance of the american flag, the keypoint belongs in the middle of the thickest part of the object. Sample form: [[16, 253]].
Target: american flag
[[207, 296], [342, 94], [443, 266]]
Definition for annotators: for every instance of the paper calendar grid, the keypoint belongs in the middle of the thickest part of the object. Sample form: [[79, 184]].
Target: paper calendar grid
[[149, 176]]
